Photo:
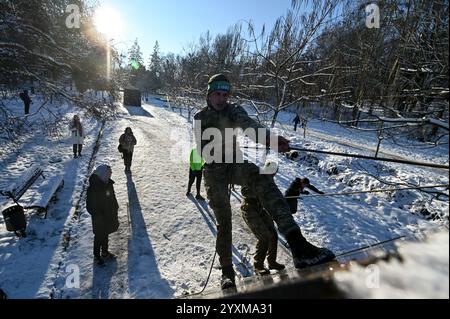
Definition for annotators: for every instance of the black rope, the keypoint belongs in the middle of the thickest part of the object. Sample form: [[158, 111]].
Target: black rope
[[369, 246], [383, 159], [372, 191], [207, 279]]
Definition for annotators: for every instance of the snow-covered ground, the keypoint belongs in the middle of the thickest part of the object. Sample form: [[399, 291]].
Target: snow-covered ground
[[422, 273], [165, 242]]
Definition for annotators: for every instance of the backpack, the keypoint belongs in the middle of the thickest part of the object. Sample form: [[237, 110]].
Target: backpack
[[120, 148]]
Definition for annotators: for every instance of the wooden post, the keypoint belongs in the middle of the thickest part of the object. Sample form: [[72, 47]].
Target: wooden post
[[380, 138]]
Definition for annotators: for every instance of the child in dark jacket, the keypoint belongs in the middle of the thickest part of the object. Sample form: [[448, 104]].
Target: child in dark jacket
[[295, 189], [127, 141], [102, 204]]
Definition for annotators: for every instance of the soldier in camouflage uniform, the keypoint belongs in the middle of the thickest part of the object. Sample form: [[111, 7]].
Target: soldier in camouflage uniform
[[261, 224], [219, 172]]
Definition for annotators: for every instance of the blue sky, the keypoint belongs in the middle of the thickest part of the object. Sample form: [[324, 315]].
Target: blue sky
[[175, 23]]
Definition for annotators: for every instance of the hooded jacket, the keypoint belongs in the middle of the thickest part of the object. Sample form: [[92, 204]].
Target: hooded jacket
[[102, 204], [128, 141]]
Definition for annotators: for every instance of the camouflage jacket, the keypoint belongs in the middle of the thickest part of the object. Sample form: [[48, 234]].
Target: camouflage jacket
[[231, 117]]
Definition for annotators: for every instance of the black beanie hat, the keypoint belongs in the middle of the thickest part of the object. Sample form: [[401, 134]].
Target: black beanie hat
[[218, 82]]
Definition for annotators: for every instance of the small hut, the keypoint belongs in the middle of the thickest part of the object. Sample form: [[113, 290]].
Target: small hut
[[131, 96]]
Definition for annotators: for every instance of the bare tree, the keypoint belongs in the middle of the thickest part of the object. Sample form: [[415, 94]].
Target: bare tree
[[282, 71], [397, 73]]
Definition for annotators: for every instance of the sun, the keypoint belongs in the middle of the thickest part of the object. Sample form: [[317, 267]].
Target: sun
[[108, 21]]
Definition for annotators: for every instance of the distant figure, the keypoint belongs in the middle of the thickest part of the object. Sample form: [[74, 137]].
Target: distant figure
[[77, 136], [101, 204], [261, 224], [296, 121], [3, 295], [26, 101], [196, 163], [127, 142], [295, 189]]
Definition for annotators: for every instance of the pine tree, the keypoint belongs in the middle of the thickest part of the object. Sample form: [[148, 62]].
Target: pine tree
[[155, 62], [135, 59], [155, 68]]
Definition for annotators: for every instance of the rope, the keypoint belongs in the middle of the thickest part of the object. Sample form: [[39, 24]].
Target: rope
[[207, 279], [383, 159], [369, 246], [372, 191]]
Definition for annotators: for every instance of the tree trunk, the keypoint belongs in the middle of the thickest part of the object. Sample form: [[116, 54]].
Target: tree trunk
[[336, 112], [274, 119], [355, 115], [435, 128]]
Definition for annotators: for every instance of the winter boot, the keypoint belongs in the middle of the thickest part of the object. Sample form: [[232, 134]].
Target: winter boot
[[260, 270], [228, 278], [306, 254], [276, 266]]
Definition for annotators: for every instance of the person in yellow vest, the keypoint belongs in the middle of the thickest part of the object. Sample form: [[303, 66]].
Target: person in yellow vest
[[196, 163]]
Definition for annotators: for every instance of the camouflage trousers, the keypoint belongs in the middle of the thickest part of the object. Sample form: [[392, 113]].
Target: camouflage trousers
[[217, 178], [261, 225]]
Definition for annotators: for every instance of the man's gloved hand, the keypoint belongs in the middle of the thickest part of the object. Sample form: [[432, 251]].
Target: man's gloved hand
[[305, 192]]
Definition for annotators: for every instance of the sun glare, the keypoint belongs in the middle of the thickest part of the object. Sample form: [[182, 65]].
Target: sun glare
[[108, 21]]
